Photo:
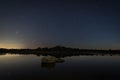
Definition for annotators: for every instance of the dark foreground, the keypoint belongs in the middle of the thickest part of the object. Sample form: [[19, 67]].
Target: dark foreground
[[30, 67]]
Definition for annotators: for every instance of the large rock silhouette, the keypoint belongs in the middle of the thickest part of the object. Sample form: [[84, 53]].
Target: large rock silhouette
[[51, 59]]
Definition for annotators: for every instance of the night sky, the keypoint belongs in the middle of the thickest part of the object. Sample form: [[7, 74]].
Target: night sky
[[78, 23]]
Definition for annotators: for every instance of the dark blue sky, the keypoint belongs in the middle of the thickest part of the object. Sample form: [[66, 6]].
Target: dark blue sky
[[81, 24]]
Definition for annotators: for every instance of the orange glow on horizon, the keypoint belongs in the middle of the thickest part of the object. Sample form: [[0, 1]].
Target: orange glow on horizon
[[12, 46]]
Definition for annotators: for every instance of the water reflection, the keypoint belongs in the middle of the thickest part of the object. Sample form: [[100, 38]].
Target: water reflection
[[48, 65], [32, 67]]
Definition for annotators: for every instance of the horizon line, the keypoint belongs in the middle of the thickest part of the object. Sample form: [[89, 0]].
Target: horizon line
[[64, 47]]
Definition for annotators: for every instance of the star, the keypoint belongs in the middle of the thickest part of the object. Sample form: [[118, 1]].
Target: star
[[17, 32]]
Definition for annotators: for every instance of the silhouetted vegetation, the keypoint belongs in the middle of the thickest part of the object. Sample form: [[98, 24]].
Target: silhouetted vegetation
[[60, 51]]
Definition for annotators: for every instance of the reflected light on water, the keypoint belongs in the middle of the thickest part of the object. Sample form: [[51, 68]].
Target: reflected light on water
[[9, 56]]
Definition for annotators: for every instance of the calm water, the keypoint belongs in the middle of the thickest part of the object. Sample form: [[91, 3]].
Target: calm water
[[29, 67]]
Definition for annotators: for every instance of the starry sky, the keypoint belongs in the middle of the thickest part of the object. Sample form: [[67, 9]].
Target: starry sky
[[75, 23]]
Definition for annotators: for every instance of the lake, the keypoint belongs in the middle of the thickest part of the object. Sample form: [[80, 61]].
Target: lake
[[30, 67]]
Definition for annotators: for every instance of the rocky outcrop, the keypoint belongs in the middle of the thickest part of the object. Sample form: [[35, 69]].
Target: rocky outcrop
[[51, 59]]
